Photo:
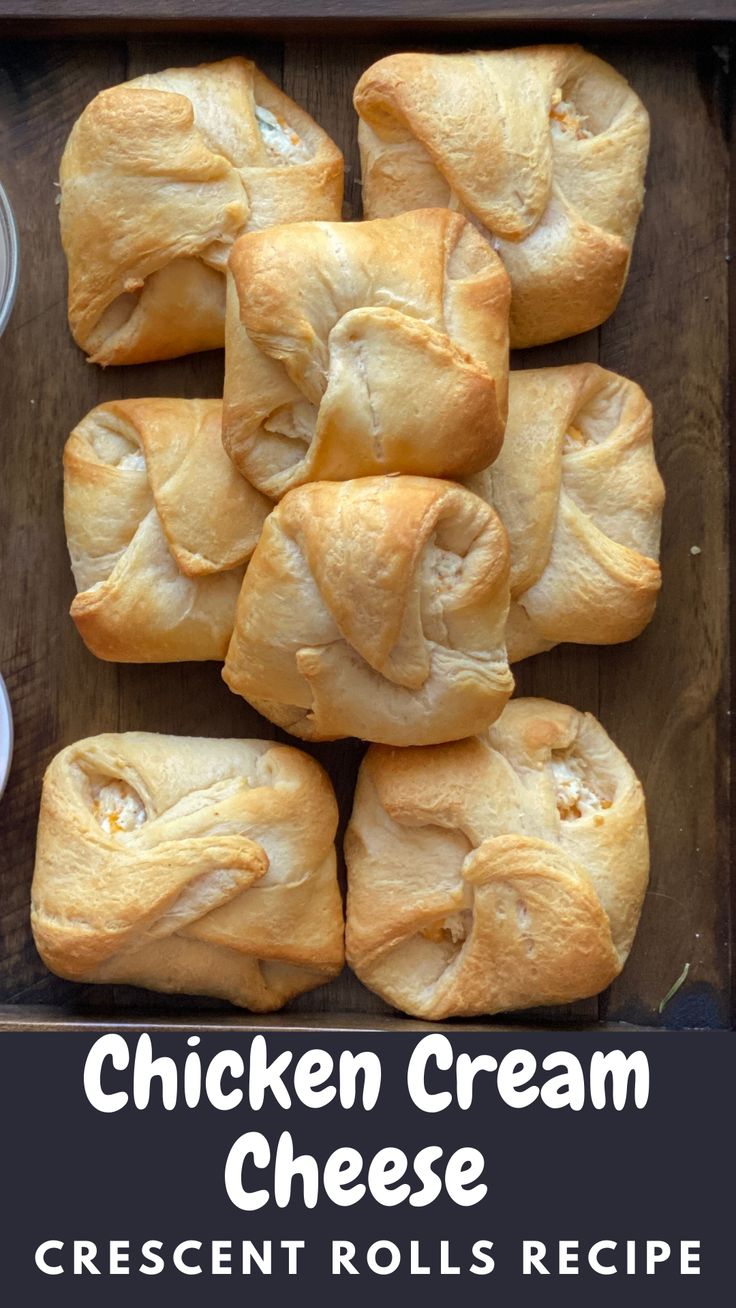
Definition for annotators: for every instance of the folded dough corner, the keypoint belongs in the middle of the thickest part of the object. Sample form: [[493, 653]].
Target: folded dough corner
[[159, 527], [375, 608], [577, 488], [355, 349], [189, 865], [543, 147], [496, 873], [159, 177]]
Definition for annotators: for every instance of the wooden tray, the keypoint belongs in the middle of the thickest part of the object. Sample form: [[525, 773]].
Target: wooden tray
[[664, 698]]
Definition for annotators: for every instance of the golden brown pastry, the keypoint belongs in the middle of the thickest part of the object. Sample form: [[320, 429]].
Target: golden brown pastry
[[158, 178], [577, 488], [188, 865], [375, 608], [496, 873], [355, 349], [159, 526], [543, 147]]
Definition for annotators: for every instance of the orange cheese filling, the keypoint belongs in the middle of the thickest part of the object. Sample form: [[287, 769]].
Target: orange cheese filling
[[565, 118]]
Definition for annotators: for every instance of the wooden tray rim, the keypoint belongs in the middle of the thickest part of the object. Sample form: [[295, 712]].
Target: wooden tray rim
[[42, 17], [291, 19]]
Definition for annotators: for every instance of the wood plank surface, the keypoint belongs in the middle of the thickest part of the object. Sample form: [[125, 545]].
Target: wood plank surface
[[663, 697], [441, 13], [50, 1018], [56, 691]]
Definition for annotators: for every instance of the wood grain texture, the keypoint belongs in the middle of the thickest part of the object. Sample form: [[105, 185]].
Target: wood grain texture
[[663, 698], [56, 694], [727, 741], [47, 1018], [386, 12]]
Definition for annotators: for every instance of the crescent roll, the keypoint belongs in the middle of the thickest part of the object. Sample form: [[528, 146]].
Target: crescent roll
[[577, 488], [375, 608], [187, 865], [501, 872], [544, 148], [356, 349], [159, 526], [158, 178]]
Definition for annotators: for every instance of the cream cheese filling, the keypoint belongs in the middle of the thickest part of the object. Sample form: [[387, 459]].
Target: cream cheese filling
[[574, 439], [452, 930], [136, 460], [564, 119], [117, 807], [282, 143], [574, 795]]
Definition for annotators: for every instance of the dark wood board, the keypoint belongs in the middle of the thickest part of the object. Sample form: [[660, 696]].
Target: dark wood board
[[664, 698], [296, 17], [51, 1018]]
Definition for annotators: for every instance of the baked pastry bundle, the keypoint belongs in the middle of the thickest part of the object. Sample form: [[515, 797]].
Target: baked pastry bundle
[[501, 872], [354, 349], [497, 851], [189, 865], [543, 147], [577, 488], [159, 526], [375, 608], [158, 178]]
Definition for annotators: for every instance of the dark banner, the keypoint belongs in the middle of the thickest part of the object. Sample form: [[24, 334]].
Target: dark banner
[[519, 1168]]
